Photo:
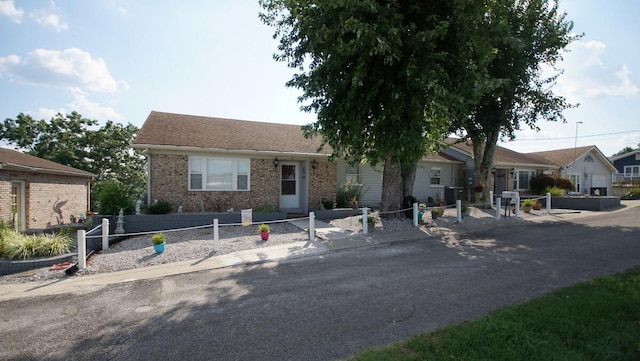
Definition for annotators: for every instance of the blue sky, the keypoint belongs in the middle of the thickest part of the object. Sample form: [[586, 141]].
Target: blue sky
[[119, 59]]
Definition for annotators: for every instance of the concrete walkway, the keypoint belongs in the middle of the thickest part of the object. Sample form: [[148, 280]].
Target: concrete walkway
[[328, 239]]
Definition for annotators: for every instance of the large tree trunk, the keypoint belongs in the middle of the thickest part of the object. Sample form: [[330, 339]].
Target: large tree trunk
[[391, 187], [483, 152], [408, 179]]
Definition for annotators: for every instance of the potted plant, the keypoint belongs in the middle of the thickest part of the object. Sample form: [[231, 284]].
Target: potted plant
[[464, 209], [435, 212], [159, 240], [371, 222], [526, 205], [537, 205], [478, 188], [264, 231]]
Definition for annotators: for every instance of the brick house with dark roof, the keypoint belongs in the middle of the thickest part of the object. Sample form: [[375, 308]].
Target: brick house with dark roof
[[216, 164], [36, 193]]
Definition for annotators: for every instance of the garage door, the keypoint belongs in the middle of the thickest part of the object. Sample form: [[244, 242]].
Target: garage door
[[599, 181]]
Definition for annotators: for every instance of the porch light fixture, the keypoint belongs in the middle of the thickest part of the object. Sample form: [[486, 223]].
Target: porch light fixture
[[493, 171], [275, 163], [511, 171], [313, 164]]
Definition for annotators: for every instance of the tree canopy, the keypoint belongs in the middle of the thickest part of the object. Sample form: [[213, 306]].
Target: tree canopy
[[369, 70], [77, 142], [388, 78], [624, 150], [520, 42]]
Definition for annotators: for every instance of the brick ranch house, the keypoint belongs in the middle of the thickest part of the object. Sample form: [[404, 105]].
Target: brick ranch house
[[215, 164], [36, 193]]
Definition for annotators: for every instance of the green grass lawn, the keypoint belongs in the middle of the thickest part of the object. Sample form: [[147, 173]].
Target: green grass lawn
[[595, 320]]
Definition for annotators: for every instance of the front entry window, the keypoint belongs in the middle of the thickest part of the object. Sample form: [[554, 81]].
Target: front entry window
[[288, 179]]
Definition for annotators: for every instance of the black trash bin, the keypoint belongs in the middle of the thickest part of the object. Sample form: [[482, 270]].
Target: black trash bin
[[452, 194], [408, 202]]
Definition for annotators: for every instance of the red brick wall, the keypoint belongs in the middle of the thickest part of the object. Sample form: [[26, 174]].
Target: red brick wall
[[322, 183], [50, 199], [170, 177], [169, 182]]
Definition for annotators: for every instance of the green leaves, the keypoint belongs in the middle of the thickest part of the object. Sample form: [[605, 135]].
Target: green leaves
[[77, 142]]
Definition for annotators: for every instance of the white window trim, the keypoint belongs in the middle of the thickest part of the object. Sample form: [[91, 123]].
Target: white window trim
[[347, 174], [516, 178], [438, 185], [628, 170], [577, 186], [234, 178]]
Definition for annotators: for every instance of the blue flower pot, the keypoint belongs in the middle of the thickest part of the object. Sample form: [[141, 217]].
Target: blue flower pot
[[159, 248]]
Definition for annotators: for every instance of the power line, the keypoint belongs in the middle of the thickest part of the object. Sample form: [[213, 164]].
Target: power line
[[582, 136]]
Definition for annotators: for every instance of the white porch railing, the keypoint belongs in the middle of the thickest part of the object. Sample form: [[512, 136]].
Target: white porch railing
[[624, 177]]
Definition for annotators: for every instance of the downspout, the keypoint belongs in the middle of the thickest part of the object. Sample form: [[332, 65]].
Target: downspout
[[148, 177]]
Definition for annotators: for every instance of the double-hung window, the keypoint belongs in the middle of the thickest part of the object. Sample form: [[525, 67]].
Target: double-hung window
[[352, 174], [435, 176], [218, 174], [522, 178], [632, 171]]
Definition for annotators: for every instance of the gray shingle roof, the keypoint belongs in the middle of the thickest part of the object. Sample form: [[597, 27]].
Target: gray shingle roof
[[13, 159], [179, 130]]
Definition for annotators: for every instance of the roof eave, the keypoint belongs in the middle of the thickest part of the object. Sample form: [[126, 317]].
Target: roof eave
[[24, 168], [183, 148]]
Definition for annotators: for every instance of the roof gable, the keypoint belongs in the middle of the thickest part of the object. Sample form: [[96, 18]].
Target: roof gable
[[167, 130], [625, 155], [567, 156], [15, 160], [502, 156]]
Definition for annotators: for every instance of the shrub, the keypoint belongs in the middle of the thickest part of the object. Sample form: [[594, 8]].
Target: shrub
[[556, 191], [159, 207], [328, 203], [264, 209], [158, 238], [633, 193], [114, 196], [527, 203], [16, 245], [541, 183], [346, 193]]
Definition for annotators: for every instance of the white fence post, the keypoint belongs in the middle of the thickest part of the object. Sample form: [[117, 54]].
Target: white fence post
[[415, 214], [105, 234], [216, 235], [312, 226], [549, 203], [365, 224], [491, 198], [517, 205], [459, 210], [498, 206], [82, 249]]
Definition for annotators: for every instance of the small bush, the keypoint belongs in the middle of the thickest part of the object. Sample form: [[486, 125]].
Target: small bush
[[16, 245], [541, 183], [264, 228], [264, 209], [346, 193], [328, 203], [633, 193], [158, 238], [160, 207], [556, 191], [114, 196]]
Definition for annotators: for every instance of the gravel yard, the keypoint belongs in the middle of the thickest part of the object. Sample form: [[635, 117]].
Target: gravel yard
[[192, 244]]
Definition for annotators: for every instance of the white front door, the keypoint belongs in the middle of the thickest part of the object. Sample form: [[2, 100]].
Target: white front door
[[576, 179], [289, 186], [18, 205]]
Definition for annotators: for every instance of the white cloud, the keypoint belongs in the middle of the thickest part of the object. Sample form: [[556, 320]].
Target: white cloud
[[6, 63], [82, 105], [586, 75], [8, 8], [46, 113], [49, 19], [66, 68]]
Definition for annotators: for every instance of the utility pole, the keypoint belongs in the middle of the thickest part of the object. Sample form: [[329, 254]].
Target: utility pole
[[575, 144]]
